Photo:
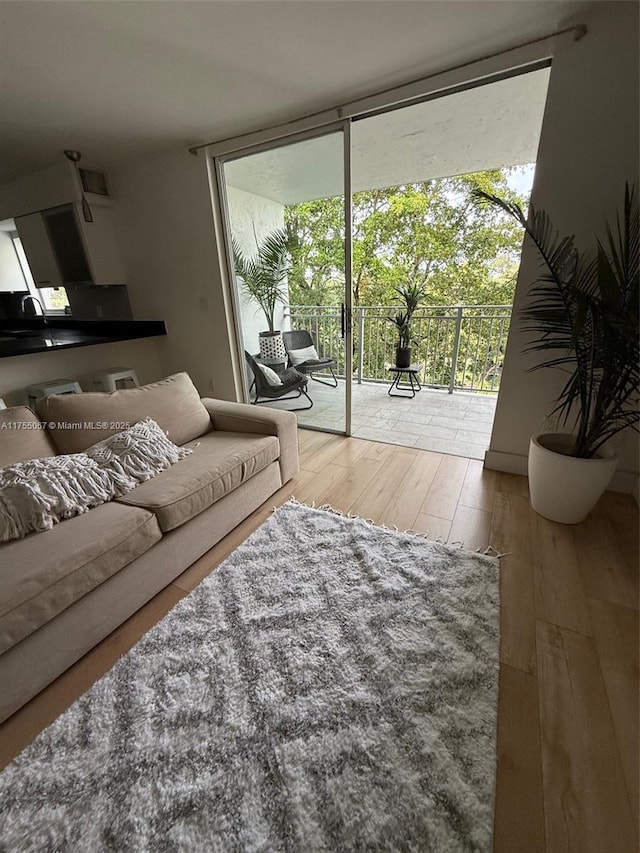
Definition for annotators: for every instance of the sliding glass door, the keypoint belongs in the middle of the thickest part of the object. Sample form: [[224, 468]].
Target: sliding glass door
[[295, 214], [287, 236]]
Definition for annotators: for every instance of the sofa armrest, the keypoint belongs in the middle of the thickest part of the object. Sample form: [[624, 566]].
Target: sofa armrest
[[242, 417]]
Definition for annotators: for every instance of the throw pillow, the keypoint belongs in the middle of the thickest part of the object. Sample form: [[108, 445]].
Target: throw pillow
[[270, 375], [38, 493], [298, 356], [138, 453]]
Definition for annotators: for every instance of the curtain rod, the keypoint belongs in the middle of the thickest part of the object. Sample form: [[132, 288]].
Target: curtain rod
[[579, 31]]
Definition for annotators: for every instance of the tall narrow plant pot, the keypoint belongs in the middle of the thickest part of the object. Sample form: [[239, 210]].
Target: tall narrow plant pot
[[565, 488], [403, 356], [272, 345]]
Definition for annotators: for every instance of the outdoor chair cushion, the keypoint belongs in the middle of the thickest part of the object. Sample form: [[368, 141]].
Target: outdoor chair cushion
[[300, 356], [46, 572], [290, 377], [220, 462], [270, 375]]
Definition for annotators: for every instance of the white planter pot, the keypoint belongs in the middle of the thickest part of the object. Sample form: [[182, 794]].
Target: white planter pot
[[564, 488], [271, 345]]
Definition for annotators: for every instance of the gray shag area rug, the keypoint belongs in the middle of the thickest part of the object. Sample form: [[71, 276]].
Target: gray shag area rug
[[332, 686]]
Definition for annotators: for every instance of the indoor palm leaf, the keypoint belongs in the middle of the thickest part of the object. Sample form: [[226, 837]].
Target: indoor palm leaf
[[264, 274], [582, 315]]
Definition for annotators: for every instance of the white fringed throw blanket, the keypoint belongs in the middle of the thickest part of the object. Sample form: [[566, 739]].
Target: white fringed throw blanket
[[38, 493]]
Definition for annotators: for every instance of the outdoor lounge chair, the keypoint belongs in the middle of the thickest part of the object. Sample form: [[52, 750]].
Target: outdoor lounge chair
[[299, 340], [291, 381]]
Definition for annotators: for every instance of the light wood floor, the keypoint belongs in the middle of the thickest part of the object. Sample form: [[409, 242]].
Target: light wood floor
[[568, 709]]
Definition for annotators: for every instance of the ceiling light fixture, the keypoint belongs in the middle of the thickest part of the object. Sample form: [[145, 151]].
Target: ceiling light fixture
[[75, 157]]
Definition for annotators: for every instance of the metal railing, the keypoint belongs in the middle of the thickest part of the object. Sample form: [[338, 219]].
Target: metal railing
[[459, 347]]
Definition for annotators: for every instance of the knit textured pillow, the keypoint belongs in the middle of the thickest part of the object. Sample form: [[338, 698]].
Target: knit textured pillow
[[138, 453], [38, 493]]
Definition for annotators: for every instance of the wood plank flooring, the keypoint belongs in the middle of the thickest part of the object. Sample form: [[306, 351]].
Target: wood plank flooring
[[567, 764]]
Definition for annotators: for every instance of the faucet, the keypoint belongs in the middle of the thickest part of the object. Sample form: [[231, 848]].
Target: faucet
[[33, 299]]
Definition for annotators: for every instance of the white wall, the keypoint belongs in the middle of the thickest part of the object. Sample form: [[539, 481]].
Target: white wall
[[11, 277], [166, 229], [252, 218], [78, 363], [588, 149]]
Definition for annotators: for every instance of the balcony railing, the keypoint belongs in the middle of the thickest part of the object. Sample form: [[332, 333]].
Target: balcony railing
[[460, 347]]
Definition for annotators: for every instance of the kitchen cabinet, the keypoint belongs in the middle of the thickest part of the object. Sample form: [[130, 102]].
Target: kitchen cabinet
[[67, 245], [103, 251], [11, 277], [37, 247], [62, 249]]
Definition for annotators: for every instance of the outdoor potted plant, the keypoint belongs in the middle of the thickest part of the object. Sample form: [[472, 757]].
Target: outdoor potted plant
[[411, 294], [264, 279], [582, 315]]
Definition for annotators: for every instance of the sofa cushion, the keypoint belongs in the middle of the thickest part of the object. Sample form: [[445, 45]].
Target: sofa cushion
[[22, 437], [220, 462], [79, 420], [46, 572]]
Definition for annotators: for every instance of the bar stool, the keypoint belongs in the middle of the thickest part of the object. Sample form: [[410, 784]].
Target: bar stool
[[114, 378], [53, 386]]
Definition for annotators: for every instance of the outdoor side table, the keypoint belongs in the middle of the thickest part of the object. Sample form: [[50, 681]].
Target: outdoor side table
[[412, 383]]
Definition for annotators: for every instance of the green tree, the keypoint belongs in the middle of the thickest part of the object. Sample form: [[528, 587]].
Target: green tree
[[315, 231], [427, 234]]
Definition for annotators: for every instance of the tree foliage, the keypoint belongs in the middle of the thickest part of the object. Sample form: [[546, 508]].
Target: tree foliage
[[428, 234]]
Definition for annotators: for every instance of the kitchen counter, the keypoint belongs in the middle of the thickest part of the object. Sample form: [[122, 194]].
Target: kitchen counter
[[24, 337]]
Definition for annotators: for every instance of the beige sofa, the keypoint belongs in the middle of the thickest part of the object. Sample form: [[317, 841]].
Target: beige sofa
[[65, 589]]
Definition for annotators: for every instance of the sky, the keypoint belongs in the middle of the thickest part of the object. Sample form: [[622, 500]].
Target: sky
[[522, 180]]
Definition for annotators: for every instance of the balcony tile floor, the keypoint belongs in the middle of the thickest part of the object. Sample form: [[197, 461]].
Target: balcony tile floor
[[457, 424]]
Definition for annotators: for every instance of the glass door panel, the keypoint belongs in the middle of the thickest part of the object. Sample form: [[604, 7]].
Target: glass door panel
[[286, 217]]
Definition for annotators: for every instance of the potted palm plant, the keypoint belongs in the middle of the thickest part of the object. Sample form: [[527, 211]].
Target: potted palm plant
[[582, 316], [411, 294], [264, 278]]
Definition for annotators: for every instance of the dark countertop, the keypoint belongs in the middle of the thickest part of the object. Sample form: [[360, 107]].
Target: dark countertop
[[24, 337]]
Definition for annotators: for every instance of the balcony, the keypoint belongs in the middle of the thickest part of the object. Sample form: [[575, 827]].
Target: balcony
[[460, 351], [458, 425], [460, 347]]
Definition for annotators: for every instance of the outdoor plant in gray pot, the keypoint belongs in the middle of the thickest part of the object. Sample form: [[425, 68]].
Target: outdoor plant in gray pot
[[583, 318], [264, 278], [412, 294]]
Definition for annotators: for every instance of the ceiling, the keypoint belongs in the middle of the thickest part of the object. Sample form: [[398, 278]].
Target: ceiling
[[118, 80], [483, 128]]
